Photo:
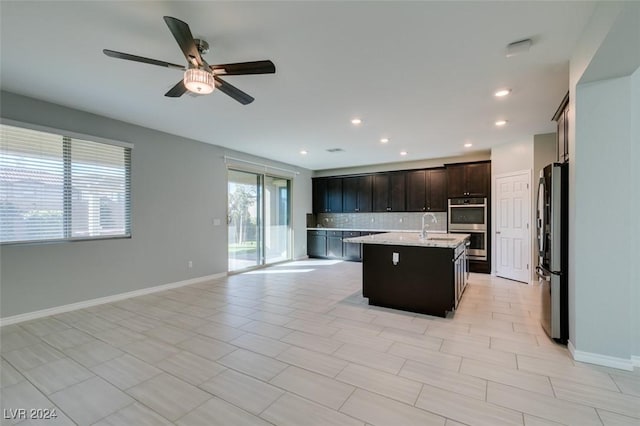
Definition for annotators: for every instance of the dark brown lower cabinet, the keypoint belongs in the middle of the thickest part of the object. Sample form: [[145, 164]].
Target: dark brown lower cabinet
[[328, 244], [317, 243], [334, 244], [351, 251]]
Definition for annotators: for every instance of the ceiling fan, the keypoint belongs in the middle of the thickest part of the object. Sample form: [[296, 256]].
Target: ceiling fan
[[200, 77]]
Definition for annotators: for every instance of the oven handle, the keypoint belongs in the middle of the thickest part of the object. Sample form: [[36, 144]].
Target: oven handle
[[457, 206]]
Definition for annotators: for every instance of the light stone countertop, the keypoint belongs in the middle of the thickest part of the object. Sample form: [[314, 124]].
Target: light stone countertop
[[412, 239], [374, 230]]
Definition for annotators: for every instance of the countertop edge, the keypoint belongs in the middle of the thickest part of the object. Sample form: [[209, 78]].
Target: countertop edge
[[402, 240], [374, 230]]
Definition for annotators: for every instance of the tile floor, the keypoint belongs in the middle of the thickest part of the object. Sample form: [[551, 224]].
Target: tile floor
[[296, 344]]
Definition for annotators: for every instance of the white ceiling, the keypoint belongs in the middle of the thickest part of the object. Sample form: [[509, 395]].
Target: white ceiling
[[421, 73]]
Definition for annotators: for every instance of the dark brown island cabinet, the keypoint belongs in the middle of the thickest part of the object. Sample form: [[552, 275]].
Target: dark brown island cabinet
[[426, 280]]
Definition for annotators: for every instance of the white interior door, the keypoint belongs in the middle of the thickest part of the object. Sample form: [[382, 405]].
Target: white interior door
[[513, 237]]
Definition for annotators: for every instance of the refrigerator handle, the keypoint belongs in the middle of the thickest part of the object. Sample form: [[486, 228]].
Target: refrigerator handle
[[540, 222], [540, 272]]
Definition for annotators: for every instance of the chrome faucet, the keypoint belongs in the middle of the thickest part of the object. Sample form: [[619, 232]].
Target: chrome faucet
[[434, 219]]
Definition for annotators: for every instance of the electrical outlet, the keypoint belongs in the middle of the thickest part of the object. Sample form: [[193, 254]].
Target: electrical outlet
[[190, 264]]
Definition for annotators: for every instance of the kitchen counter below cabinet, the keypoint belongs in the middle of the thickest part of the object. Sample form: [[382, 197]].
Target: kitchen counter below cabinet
[[329, 244]]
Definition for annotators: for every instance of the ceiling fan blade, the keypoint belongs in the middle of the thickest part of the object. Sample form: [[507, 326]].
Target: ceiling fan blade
[[183, 36], [232, 91], [129, 57], [176, 91], [243, 68]]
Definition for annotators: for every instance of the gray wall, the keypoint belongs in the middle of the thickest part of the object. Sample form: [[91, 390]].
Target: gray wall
[[635, 177], [508, 158], [603, 146], [603, 218], [544, 152], [179, 187]]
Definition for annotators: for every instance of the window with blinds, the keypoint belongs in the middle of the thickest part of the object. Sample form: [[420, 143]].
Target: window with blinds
[[54, 187]]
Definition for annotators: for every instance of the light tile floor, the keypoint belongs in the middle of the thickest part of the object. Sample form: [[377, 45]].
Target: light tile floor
[[296, 344]]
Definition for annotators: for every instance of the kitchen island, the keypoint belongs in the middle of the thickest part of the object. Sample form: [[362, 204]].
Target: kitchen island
[[405, 271]]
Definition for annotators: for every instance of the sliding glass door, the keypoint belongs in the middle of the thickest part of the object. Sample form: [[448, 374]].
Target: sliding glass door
[[259, 223], [244, 219], [276, 219]]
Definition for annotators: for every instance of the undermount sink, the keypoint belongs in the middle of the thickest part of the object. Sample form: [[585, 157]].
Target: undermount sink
[[429, 238]]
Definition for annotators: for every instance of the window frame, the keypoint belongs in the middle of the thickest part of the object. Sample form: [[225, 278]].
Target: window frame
[[67, 137]]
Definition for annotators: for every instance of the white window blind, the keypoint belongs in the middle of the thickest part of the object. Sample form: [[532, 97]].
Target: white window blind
[[53, 187]]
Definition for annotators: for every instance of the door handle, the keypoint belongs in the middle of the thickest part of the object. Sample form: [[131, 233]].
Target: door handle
[[497, 232]]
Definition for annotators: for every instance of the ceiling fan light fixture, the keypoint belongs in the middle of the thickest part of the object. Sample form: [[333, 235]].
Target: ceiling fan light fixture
[[199, 81]]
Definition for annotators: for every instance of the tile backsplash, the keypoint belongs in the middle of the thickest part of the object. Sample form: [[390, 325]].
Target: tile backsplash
[[382, 221]]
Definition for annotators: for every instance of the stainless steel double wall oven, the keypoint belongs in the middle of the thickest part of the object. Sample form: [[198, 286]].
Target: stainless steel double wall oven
[[469, 216]]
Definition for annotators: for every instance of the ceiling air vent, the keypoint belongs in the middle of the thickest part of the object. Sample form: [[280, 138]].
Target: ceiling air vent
[[335, 150]]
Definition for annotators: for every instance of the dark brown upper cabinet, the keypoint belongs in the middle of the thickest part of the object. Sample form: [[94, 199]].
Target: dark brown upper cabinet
[[561, 117], [416, 191], [327, 195], [356, 194], [426, 190], [319, 192], [437, 191], [468, 180], [389, 192]]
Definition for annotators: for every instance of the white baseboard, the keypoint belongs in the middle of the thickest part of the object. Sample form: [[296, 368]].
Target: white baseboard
[[102, 300], [603, 360], [635, 359]]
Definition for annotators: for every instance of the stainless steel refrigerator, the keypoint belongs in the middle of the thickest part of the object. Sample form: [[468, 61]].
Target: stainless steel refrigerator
[[553, 250]]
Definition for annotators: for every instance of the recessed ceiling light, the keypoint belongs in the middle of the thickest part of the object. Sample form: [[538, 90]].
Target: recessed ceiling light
[[403, 153], [384, 140], [356, 121], [501, 122], [502, 92], [304, 152], [468, 145]]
